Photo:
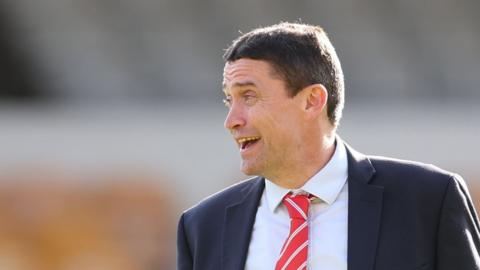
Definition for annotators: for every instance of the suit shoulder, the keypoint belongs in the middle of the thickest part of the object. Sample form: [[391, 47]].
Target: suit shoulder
[[407, 170], [219, 200], [413, 183], [381, 162]]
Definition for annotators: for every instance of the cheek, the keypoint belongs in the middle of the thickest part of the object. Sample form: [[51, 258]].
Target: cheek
[[273, 123], [269, 125], [280, 132]]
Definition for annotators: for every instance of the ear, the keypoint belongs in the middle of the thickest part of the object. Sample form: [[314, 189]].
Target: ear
[[316, 99]]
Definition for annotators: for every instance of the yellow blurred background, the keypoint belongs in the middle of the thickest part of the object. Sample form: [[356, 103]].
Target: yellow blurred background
[[120, 220]]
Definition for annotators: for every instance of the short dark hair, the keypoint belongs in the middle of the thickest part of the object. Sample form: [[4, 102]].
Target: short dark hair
[[301, 54]]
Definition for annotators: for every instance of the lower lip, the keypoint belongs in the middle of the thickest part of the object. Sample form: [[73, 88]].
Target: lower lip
[[249, 148]]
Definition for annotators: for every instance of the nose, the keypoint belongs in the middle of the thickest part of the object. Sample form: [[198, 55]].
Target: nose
[[235, 118]]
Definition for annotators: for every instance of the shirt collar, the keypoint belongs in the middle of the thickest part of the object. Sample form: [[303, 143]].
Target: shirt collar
[[325, 184]]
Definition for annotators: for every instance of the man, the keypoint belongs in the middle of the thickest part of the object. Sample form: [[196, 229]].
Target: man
[[317, 203]]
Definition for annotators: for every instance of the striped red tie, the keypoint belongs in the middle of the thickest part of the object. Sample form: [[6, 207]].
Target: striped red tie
[[295, 249]]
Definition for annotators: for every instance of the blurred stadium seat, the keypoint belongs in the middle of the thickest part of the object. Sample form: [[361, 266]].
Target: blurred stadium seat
[[49, 222]]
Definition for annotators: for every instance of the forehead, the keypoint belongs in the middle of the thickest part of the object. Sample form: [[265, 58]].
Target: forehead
[[246, 71]]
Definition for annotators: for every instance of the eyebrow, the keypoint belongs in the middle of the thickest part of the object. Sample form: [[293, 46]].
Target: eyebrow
[[239, 84]]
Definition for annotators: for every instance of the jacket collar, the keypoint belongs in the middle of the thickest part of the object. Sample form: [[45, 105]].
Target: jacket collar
[[238, 224], [364, 212]]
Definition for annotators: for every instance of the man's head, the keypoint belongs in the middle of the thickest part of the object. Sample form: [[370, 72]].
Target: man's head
[[300, 54], [282, 113]]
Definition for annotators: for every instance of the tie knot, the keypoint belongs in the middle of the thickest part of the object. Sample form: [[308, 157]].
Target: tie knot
[[297, 205]]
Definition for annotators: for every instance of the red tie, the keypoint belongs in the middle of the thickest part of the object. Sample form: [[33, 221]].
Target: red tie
[[295, 249]]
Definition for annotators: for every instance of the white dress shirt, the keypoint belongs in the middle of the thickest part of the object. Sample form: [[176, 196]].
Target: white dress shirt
[[327, 220]]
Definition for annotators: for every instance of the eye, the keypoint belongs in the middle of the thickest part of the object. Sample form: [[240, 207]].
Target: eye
[[250, 98], [227, 101]]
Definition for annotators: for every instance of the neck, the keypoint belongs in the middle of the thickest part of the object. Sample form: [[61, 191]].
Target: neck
[[297, 174]]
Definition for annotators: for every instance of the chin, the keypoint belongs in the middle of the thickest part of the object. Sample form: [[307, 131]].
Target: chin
[[250, 169]]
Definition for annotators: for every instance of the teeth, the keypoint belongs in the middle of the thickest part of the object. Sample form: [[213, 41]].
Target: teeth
[[246, 139]]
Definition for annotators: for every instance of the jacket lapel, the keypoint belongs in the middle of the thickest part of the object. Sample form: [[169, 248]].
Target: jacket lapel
[[238, 225], [364, 212]]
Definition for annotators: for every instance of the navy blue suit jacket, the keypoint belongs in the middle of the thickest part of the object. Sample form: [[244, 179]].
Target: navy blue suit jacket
[[401, 215]]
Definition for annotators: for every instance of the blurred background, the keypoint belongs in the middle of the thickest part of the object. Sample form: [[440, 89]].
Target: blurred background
[[111, 120]]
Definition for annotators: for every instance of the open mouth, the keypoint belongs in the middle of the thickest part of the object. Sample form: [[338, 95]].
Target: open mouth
[[247, 142]]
